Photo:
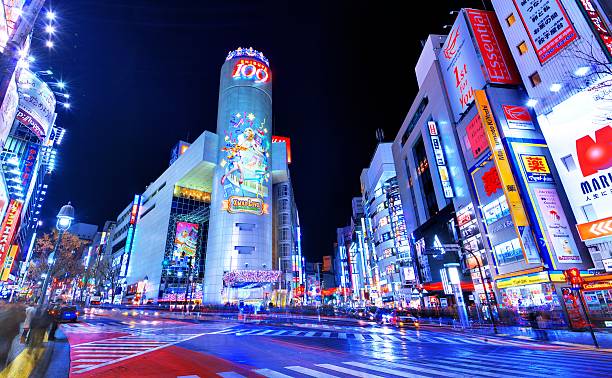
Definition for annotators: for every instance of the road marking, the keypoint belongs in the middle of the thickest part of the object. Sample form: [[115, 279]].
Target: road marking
[[271, 373], [326, 334], [278, 333], [359, 336], [383, 370], [393, 338], [342, 335], [376, 338], [310, 372], [247, 332], [295, 333], [230, 374], [310, 334], [352, 372], [94, 360], [264, 332], [411, 339], [495, 366]]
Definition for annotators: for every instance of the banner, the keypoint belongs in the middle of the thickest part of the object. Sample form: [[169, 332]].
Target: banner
[[8, 263], [9, 226]]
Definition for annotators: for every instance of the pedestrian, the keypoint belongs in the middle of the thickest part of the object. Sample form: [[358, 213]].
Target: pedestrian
[[30, 311], [11, 317], [542, 324]]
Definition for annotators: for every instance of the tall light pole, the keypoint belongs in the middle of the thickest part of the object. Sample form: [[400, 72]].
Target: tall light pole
[[64, 220]]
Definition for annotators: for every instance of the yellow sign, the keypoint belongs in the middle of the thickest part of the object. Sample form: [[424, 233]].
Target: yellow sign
[[517, 211], [522, 280], [8, 263], [535, 164]]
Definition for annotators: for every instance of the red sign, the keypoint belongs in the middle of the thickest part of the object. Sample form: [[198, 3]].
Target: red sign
[[9, 226], [597, 24], [251, 69], [279, 139], [491, 182], [476, 137], [498, 62], [518, 117], [596, 229], [595, 155]]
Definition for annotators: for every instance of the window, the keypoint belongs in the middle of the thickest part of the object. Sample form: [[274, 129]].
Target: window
[[589, 212], [244, 250], [285, 234], [510, 19], [415, 118], [245, 226], [568, 162], [535, 79], [522, 48]]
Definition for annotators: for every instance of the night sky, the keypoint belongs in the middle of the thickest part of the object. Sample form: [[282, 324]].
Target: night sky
[[144, 74]]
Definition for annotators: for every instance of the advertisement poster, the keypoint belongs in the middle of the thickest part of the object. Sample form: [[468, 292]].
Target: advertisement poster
[[548, 26], [36, 103], [246, 164], [186, 240], [557, 229], [518, 117], [498, 61], [461, 68], [476, 137]]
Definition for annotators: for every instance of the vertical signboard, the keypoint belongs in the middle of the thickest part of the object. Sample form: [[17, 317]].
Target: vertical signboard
[[550, 29], [506, 177], [8, 228], [129, 241], [498, 62], [461, 70], [597, 24], [28, 165], [5, 269], [440, 161]]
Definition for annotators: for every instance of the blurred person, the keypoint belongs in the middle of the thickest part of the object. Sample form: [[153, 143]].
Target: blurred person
[[30, 311], [38, 327], [11, 317]]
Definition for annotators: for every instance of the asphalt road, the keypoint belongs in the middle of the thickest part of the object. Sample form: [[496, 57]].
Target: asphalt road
[[115, 344]]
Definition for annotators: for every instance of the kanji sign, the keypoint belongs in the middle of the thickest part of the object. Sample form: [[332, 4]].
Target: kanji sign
[[536, 168]]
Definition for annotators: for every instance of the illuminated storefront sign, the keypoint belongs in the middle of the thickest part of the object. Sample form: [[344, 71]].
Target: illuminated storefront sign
[[549, 28], [250, 69], [579, 135], [36, 103], [527, 279], [249, 205], [28, 165], [287, 141], [245, 162], [440, 161], [598, 25], [498, 62], [518, 117], [536, 168], [9, 226], [129, 240], [477, 140], [597, 229], [8, 263]]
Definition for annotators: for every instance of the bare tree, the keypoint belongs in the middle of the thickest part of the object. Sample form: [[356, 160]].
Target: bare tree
[[107, 274], [600, 66]]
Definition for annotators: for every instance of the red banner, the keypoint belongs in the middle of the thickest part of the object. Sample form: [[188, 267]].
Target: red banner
[[9, 226]]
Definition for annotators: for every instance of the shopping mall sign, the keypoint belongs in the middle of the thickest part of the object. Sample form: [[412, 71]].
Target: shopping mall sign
[[251, 205], [251, 69], [527, 279]]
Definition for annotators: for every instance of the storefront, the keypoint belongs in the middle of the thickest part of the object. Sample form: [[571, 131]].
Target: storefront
[[597, 295], [527, 291]]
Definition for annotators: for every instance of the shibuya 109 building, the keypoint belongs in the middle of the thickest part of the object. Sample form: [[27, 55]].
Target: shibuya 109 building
[[220, 224]]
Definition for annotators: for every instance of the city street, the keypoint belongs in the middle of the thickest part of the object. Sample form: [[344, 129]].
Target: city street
[[134, 344]]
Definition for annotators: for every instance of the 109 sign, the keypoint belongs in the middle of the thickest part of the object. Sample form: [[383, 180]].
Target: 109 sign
[[251, 69]]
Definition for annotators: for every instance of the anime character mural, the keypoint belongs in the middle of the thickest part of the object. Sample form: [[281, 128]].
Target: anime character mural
[[185, 240], [247, 153]]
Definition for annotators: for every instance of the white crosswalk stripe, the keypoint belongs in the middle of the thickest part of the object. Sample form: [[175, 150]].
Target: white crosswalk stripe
[[311, 372], [271, 373], [383, 369], [352, 372]]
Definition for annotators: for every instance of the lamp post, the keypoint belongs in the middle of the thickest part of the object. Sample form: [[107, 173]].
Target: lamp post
[[64, 220]]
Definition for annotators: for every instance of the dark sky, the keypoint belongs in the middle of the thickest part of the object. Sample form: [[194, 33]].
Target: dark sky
[[144, 74]]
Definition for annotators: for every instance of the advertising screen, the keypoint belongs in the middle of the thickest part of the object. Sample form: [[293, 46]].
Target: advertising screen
[[461, 68], [246, 154], [185, 240], [36, 103], [579, 136], [548, 26]]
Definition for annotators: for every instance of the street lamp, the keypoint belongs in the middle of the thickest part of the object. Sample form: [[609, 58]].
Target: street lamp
[[64, 220]]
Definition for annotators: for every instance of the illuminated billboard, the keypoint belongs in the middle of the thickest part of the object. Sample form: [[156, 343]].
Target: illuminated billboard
[[8, 109], [185, 240], [9, 226], [36, 104], [550, 29], [579, 135], [251, 69], [245, 162]]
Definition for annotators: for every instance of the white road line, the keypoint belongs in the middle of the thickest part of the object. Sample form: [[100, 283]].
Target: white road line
[[278, 333], [359, 336], [515, 372], [352, 372], [310, 372], [310, 334], [271, 373], [438, 339], [230, 374], [127, 345], [295, 333], [424, 369], [112, 348], [93, 360], [384, 370], [376, 337], [411, 339], [342, 335], [83, 366], [247, 332], [264, 332], [326, 334], [393, 338]]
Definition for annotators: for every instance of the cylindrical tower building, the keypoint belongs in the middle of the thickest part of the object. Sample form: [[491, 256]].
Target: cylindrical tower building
[[240, 231]]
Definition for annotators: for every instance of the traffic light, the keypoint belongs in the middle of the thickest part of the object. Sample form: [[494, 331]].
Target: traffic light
[[572, 276]]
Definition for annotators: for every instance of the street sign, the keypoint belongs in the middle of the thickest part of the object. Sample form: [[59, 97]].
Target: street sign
[[597, 229]]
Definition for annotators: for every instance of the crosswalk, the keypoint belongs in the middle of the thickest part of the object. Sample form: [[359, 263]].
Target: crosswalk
[[96, 354], [397, 337], [469, 366]]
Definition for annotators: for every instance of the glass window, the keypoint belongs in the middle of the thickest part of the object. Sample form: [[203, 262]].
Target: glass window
[[535, 79], [522, 48], [509, 252], [510, 19]]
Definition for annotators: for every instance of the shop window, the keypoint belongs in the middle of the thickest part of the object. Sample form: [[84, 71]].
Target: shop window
[[510, 19], [569, 163], [535, 79], [509, 252], [589, 212], [522, 48]]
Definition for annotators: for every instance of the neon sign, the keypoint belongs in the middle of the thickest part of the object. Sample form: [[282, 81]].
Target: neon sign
[[9, 226], [251, 69]]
